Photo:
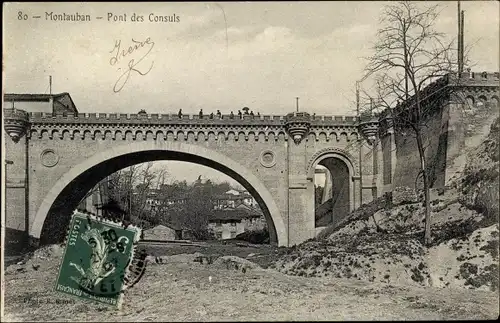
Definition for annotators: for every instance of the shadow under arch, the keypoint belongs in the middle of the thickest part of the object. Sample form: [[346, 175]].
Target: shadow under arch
[[332, 159], [67, 192]]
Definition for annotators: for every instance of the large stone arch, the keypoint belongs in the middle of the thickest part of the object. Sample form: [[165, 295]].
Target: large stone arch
[[107, 160]]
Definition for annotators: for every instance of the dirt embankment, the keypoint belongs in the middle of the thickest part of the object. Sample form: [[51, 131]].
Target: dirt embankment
[[199, 287], [382, 242]]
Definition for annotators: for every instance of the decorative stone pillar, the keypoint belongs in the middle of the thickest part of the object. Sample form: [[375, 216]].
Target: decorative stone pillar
[[368, 127], [388, 150], [300, 221], [16, 124], [297, 124]]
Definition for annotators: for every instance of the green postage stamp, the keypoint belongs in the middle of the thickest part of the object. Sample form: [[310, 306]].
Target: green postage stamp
[[97, 259]]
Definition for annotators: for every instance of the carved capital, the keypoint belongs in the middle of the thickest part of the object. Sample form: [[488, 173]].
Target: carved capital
[[368, 127], [16, 123], [298, 124]]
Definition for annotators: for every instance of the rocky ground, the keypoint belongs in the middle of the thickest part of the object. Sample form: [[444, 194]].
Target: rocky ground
[[371, 266], [382, 241], [182, 288]]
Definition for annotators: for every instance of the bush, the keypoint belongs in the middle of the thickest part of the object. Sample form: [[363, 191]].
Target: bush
[[255, 237]]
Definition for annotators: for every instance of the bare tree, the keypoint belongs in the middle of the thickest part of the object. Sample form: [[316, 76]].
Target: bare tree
[[408, 55]]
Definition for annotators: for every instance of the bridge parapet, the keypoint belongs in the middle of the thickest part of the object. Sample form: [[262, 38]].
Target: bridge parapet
[[116, 125], [127, 118], [478, 79], [154, 118]]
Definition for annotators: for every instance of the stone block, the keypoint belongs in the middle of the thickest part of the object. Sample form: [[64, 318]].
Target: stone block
[[404, 195]]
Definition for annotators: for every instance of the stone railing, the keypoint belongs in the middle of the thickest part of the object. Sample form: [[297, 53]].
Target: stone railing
[[144, 118]]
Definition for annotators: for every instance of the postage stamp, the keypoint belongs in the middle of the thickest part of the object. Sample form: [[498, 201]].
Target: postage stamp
[[100, 259]]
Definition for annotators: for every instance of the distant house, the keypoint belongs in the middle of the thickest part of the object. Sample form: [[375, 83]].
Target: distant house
[[168, 232], [162, 232], [50, 103], [228, 222], [232, 198]]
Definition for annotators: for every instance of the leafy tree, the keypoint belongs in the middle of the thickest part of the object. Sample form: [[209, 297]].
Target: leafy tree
[[141, 195]]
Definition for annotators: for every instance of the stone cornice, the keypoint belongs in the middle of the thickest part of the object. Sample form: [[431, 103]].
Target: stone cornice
[[115, 126]]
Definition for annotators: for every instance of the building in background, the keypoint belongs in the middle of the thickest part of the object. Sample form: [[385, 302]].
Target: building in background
[[228, 222], [233, 212], [233, 198], [49, 103]]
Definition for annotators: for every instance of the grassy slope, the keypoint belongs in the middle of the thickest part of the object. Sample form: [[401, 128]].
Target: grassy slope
[[382, 242]]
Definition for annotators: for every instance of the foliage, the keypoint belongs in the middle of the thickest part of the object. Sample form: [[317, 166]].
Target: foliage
[[255, 236], [142, 196]]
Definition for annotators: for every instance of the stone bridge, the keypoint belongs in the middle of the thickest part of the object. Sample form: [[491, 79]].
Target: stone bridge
[[55, 159]]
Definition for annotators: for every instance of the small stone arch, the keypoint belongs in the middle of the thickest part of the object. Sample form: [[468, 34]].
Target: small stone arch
[[170, 135], [76, 134], [139, 135], [201, 136], [118, 135], [190, 137], [160, 134], [251, 134], [211, 136], [87, 134], [54, 134], [107, 134], [230, 135], [98, 135], [241, 136], [149, 135], [178, 135], [470, 102], [127, 134], [341, 154], [43, 133], [65, 134], [344, 157], [282, 136], [33, 132], [481, 101]]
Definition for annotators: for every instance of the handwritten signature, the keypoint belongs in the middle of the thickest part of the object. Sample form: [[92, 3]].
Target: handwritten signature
[[120, 54]]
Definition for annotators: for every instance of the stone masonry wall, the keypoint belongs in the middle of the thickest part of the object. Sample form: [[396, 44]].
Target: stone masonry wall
[[456, 126]]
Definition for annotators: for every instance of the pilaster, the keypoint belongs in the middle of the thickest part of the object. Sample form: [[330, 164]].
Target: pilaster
[[17, 224], [301, 221]]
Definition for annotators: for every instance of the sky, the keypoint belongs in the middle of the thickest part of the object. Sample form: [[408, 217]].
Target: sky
[[214, 55]]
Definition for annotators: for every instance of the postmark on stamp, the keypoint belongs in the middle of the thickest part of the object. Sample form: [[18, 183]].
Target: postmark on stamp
[[100, 260]]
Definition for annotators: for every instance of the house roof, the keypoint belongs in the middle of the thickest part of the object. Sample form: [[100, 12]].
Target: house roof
[[160, 227], [231, 214], [36, 97], [32, 96], [229, 196]]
